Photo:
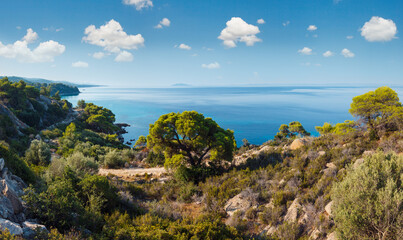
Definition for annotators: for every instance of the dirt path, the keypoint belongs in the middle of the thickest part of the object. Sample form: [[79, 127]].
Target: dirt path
[[130, 173]]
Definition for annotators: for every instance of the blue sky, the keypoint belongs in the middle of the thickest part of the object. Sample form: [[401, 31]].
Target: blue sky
[[287, 49]]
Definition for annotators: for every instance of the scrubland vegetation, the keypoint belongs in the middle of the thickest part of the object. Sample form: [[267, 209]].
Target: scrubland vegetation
[[212, 189]]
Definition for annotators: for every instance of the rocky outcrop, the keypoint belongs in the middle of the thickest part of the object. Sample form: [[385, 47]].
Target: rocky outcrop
[[31, 228], [237, 203], [299, 142], [293, 211], [12, 211], [18, 123], [328, 208]]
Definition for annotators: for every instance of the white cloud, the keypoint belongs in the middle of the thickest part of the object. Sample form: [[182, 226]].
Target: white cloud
[[112, 37], [312, 28], [165, 22], [18, 27], [184, 46], [98, 55], [31, 36], [214, 65], [44, 52], [59, 29], [139, 4], [261, 21], [350, 37], [328, 54], [305, 51], [285, 24], [347, 53], [238, 30], [79, 64], [124, 56], [379, 30]]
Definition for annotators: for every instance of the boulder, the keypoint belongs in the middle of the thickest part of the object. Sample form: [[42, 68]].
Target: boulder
[[321, 153], [331, 165], [268, 230], [6, 208], [328, 208], [13, 228], [30, 229], [332, 236], [239, 202], [292, 212], [12, 196], [298, 143], [315, 234], [2, 162]]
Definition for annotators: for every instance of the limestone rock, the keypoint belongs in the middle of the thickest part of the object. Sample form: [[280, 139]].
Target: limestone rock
[[331, 165], [315, 234], [239, 202], [269, 230], [2, 162], [6, 208], [12, 196], [13, 228], [328, 208], [292, 212], [298, 143], [30, 228], [332, 236], [321, 153]]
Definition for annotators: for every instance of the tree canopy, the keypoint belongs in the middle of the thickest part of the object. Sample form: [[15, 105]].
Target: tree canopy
[[291, 130], [191, 137], [379, 109]]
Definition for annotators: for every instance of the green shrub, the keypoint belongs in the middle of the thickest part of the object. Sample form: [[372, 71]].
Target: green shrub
[[38, 153], [368, 202]]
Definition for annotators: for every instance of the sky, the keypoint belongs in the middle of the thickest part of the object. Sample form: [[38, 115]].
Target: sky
[[159, 43]]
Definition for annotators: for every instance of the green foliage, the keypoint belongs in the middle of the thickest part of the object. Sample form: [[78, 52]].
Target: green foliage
[[99, 119], [191, 135], [16, 164], [339, 129], [368, 202], [81, 104], [141, 142], [379, 109], [291, 130], [38, 153], [113, 160]]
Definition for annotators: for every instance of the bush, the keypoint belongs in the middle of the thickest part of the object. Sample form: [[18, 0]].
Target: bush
[[113, 160], [38, 153], [368, 202], [16, 164]]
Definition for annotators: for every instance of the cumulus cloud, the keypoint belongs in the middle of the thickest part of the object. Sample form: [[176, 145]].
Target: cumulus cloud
[[214, 65], [305, 51], [347, 53], [124, 56], [44, 52], [79, 64], [312, 28], [112, 37], [328, 54], [379, 30], [165, 22], [238, 30], [31, 36], [98, 55], [139, 4], [261, 21], [184, 46]]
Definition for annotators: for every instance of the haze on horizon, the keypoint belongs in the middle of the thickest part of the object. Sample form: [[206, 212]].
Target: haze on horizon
[[159, 43]]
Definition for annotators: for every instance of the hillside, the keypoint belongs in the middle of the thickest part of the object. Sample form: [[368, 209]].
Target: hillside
[[86, 184]]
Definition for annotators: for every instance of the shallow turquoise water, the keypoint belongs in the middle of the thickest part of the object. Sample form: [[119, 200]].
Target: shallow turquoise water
[[254, 113]]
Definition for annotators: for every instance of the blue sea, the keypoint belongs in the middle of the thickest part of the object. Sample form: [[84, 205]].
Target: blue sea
[[254, 113]]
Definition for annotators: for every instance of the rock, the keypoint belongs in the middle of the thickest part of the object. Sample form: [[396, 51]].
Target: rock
[[358, 162], [328, 208], [271, 230], [292, 212], [367, 153], [239, 202], [298, 143], [12, 196], [13, 228], [331, 165], [332, 236], [2, 162], [30, 228], [321, 153], [6, 208], [315, 234]]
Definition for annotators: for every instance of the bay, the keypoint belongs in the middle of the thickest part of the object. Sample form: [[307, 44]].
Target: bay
[[254, 113]]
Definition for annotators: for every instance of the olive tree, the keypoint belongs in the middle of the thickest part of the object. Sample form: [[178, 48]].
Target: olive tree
[[368, 202], [190, 138], [38, 153]]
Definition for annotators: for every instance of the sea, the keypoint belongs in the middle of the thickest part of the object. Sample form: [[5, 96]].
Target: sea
[[253, 113]]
